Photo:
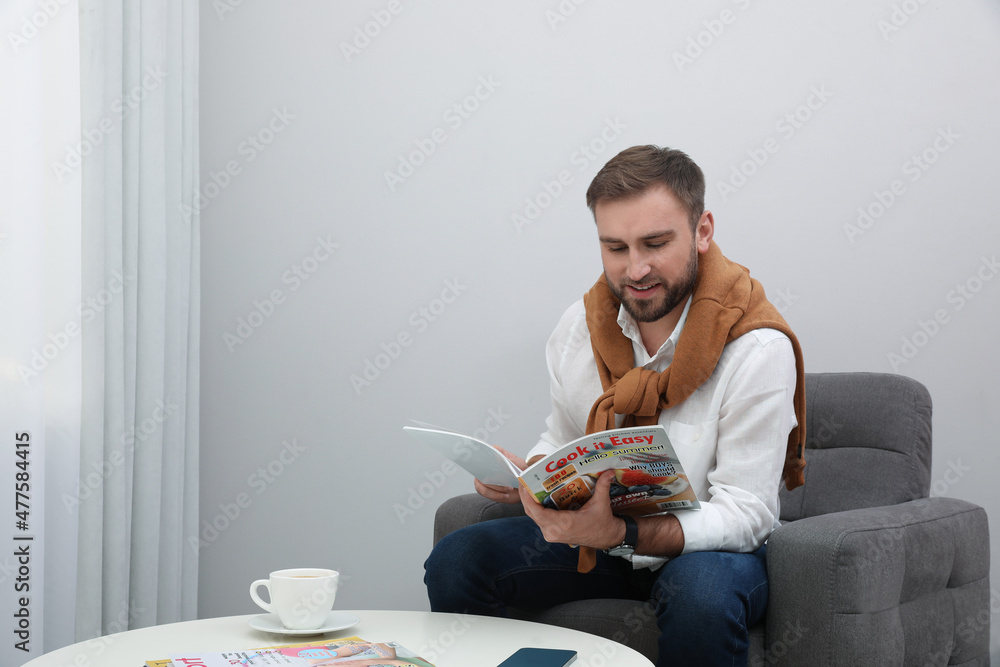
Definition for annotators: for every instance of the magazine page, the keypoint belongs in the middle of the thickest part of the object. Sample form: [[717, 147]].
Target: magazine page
[[484, 461], [346, 652], [649, 478]]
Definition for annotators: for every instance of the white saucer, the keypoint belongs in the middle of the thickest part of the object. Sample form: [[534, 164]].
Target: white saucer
[[335, 620]]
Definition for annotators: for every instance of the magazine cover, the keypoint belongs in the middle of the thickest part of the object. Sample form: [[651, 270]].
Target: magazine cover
[[350, 652], [648, 480]]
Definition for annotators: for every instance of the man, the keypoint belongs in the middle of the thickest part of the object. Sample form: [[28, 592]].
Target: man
[[672, 333]]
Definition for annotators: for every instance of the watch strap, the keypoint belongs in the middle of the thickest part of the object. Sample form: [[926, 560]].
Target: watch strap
[[631, 531], [628, 545]]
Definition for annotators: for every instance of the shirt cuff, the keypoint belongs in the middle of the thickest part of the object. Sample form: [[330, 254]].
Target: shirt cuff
[[703, 528], [647, 562]]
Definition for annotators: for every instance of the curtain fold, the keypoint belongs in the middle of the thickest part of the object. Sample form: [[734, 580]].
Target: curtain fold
[[139, 64]]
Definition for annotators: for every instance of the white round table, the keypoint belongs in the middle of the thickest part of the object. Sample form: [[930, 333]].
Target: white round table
[[447, 640]]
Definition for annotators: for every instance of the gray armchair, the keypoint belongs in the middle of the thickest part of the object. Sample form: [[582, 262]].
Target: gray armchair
[[866, 569]]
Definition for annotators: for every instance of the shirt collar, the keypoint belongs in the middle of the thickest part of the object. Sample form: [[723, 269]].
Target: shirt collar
[[665, 354]]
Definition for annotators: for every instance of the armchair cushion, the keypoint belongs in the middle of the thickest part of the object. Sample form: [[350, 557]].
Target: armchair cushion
[[868, 443]]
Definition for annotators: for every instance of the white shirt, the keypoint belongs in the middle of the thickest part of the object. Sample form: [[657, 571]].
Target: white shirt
[[730, 434]]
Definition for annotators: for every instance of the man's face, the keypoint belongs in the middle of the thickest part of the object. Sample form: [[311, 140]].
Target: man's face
[[649, 251]]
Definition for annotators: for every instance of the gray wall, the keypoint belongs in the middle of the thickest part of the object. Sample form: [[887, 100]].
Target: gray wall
[[800, 114]]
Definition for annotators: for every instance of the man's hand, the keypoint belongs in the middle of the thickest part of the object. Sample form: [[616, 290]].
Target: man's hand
[[497, 492], [593, 525]]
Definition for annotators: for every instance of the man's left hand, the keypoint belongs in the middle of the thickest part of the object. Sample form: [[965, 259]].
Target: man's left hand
[[592, 525]]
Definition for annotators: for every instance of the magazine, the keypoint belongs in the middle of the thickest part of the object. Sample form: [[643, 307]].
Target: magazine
[[348, 651], [648, 480]]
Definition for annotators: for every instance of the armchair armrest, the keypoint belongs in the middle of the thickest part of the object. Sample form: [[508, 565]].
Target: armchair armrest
[[867, 586], [468, 509]]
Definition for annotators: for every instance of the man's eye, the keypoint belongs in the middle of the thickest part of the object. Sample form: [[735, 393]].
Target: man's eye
[[620, 248], [656, 246]]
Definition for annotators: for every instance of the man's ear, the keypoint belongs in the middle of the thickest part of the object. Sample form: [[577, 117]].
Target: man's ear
[[704, 231]]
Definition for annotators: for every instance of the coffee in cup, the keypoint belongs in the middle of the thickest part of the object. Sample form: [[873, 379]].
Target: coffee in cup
[[301, 598]]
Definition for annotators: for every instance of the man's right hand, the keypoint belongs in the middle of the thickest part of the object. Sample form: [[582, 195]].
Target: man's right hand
[[497, 492]]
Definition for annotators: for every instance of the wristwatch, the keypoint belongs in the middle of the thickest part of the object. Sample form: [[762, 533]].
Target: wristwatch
[[628, 545]]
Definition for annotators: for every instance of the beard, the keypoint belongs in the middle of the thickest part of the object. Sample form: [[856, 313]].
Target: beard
[[651, 310]]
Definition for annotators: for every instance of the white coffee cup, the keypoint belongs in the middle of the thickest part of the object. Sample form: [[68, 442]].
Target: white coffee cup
[[301, 597]]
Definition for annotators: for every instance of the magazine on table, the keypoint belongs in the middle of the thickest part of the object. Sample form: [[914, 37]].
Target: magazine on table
[[348, 652], [648, 480]]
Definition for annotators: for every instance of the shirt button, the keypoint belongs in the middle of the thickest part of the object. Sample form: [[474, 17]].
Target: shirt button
[[697, 435]]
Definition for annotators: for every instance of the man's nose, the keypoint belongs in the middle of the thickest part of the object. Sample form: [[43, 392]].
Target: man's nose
[[638, 266]]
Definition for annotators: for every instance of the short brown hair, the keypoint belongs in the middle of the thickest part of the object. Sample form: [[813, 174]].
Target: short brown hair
[[635, 170]]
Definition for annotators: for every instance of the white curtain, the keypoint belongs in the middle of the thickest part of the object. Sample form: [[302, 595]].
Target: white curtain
[[40, 288], [140, 315]]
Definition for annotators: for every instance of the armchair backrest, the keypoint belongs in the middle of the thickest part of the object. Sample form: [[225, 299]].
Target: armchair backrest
[[868, 444]]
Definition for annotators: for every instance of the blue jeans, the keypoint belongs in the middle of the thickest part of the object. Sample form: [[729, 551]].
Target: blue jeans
[[704, 602]]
